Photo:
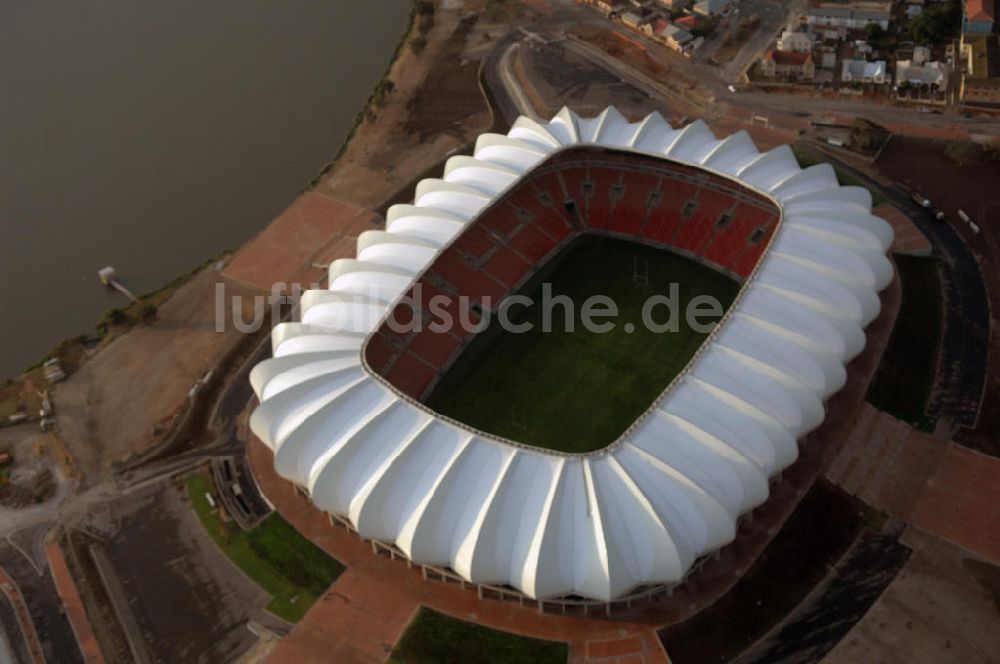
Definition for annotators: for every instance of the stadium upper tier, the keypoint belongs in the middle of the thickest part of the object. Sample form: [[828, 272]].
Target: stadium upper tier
[[642, 510]]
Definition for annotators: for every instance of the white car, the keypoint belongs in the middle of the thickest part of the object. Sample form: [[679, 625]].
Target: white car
[[732, 88]]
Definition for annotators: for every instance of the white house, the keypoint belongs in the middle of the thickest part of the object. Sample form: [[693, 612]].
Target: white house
[[859, 71], [676, 37], [795, 41], [922, 73]]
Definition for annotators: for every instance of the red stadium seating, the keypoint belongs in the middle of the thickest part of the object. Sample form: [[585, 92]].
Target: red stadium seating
[[435, 347], [507, 266], [663, 222], [378, 352], [465, 279], [700, 225], [628, 214], [601, 201], [411, 375], [630, 195], [533, 243]]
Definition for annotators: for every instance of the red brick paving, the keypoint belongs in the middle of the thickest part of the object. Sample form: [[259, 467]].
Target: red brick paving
[[73, 605], [313, 231], [961, 502], [908, 238], [954, 132], [13, 593], [945, 489], [765, 138]]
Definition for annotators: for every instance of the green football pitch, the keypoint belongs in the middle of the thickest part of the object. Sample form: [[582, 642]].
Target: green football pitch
[[578, 390]]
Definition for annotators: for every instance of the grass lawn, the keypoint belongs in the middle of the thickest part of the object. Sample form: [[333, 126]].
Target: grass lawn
[[433, 638], [906, 374], [577, 391], [282, 562]]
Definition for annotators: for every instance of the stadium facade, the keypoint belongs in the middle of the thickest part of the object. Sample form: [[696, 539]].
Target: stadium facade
[[340, 400]]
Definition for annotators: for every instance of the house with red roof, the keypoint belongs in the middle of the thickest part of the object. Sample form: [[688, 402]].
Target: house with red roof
[[656, 27], [787, 64], [689, 22], [980, 17]]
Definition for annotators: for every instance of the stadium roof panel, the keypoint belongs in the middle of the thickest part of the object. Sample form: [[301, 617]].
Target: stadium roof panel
[[640, 511]]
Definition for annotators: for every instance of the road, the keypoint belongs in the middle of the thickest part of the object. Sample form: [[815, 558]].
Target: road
[[713, 79]]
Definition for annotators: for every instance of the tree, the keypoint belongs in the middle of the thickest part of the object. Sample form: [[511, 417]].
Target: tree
[[418, 43], [874, 33], [937, 23], [964, 153]]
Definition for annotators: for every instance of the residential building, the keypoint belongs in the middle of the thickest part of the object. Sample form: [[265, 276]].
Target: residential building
[[981, 81], [979, 17], [689, 22], [673, 5], [933, 75], [860, 71], [795, 41], [655, 27], [710, 7], [676, 37], [846, 18], [631, 19], [788, 64]]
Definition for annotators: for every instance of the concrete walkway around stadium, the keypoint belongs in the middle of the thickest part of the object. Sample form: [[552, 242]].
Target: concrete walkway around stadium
[[367, 609], [297, 247], [942, 488], [908, 238]]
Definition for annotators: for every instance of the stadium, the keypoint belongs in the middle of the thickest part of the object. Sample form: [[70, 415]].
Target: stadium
[[588, 466]]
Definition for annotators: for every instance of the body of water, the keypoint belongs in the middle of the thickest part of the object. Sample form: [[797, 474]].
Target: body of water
[[152, 135]]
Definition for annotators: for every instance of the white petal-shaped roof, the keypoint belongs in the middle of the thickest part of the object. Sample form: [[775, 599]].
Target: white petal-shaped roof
[[671, 488]]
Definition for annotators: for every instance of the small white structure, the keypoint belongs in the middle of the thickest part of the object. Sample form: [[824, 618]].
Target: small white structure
[[53, 371], [795, 41], [860, 71], [107, 275]]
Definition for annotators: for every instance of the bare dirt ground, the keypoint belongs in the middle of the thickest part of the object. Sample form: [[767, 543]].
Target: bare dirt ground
[[121, 403], [554, 76], [942, 607], [435, 108], [33, 478]]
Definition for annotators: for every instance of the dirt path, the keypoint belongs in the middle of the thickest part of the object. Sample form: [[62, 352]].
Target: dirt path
[[122, 402]]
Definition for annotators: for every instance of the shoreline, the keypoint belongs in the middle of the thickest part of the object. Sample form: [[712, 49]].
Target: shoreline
[[98, 336]]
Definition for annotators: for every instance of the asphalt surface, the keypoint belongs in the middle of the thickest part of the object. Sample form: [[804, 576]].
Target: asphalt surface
[[10, 632], [827, 615], [44, 606], [961, 373]]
